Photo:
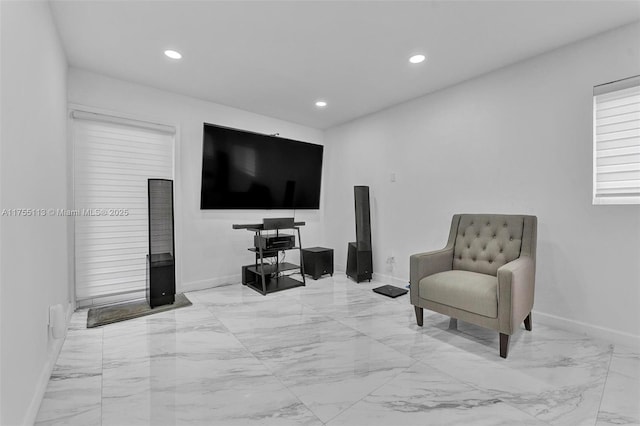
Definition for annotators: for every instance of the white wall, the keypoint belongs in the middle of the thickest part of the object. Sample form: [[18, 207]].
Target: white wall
[[517, 140], [34, 262], [208, 251]]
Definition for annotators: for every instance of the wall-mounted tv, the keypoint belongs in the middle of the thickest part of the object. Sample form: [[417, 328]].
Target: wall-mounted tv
[[245, 170]]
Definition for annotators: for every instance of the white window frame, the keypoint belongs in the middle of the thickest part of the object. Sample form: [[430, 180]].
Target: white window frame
[[611, 196]]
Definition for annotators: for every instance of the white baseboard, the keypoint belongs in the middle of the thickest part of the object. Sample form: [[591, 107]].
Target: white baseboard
[[209, 283], [45, 374], [603, 333], [382, 278]]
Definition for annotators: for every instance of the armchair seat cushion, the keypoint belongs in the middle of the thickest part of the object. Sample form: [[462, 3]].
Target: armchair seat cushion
[[470, 291]]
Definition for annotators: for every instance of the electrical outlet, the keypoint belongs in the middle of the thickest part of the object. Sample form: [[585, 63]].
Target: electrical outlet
[[391, 263]]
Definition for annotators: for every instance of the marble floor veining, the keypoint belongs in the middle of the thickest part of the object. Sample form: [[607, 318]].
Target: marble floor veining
[[331, 353]]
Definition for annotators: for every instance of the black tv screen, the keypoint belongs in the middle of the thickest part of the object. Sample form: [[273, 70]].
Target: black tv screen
[[245, 170]]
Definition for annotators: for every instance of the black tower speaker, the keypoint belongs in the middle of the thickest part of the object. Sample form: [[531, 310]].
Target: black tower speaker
[[161, 272], [359, 253]]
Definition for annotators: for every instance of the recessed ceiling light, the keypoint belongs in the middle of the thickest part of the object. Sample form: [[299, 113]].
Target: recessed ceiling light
[[416, 59], [321, 104], [173, 54]]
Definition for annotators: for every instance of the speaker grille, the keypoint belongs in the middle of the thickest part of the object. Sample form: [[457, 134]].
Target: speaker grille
[[161, 218], [363, 218]]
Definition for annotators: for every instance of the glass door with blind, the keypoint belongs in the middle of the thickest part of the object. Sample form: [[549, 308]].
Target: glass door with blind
[[112, 162]]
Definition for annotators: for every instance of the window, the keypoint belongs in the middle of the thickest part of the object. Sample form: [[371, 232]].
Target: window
[[113, 158], [616, 142]]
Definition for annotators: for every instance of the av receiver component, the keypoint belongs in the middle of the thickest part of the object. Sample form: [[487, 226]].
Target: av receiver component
[[274, 242]]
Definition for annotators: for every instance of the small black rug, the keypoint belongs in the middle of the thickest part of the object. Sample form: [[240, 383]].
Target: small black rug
[[125, 311]]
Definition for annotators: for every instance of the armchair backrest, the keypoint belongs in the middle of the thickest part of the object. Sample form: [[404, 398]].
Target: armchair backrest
[[485, 242]]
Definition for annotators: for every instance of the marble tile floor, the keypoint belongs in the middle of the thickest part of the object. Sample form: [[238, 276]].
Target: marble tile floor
[[331, 353]]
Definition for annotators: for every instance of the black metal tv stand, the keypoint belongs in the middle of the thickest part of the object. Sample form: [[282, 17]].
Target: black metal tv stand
[[268, 274]]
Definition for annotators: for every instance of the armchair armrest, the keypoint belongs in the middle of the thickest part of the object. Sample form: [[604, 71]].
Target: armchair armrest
[[516, 284], [424, 264]]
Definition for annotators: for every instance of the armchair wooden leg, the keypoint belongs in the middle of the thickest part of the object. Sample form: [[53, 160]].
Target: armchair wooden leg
[[527, 322], [504, 345], [418, 315], [453, 324]]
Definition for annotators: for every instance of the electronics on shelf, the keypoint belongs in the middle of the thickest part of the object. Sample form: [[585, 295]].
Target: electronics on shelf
[[274, 242], [269, 273]]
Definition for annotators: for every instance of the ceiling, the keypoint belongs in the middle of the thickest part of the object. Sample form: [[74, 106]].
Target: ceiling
[[278, 57]]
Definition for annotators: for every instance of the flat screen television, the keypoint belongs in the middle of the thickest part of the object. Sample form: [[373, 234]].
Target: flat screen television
[[246, 170]]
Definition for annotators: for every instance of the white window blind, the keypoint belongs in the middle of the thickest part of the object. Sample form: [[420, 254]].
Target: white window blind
[[112, 162], [616, 157]]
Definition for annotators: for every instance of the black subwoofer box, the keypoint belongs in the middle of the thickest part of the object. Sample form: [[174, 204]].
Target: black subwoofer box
[[317, 261]]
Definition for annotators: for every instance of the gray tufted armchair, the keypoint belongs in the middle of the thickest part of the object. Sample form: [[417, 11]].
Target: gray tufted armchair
[[485, 275]]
